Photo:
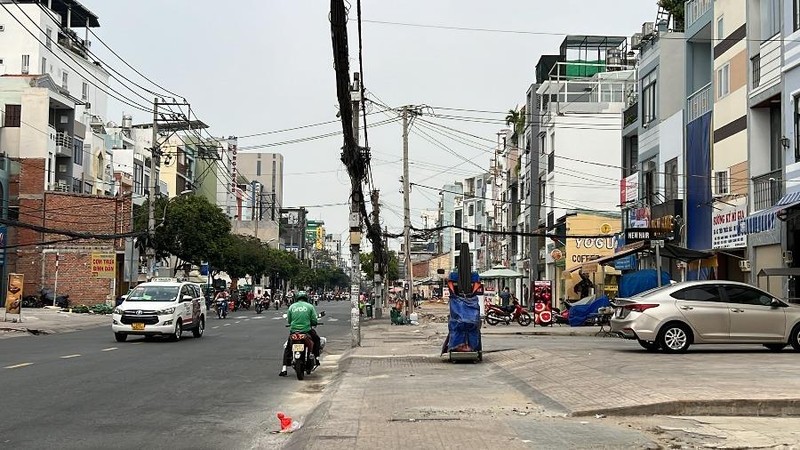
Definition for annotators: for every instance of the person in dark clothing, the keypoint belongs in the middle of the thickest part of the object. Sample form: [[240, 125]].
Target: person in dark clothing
[[505, 297]]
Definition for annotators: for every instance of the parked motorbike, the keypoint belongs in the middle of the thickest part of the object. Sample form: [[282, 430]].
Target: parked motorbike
[[222, 307], [302, 352], [515, 312]]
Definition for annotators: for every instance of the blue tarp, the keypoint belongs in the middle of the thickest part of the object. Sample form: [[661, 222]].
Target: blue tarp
[[643, 280], [578, 314], [465, 323]]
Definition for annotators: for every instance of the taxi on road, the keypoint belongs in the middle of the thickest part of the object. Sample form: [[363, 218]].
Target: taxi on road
[[162, 307]]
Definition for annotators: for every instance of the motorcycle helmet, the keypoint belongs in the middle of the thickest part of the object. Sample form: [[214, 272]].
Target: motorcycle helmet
[[301, 296]]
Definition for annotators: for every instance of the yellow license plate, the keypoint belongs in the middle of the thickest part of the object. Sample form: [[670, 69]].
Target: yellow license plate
[[137, 326], [298, 347]]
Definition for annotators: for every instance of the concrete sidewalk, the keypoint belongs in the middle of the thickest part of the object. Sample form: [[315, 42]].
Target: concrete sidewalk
[[48, 320], [395, 391]]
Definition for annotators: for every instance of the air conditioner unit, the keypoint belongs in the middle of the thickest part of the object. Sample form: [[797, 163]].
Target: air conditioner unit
[[744, 265], [636, 41], [788, 257], [648, 28]]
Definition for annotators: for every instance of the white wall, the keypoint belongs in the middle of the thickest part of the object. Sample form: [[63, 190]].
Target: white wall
[[591, 182]]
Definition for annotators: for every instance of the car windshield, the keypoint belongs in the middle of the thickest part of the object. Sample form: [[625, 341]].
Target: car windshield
[[153, 294]]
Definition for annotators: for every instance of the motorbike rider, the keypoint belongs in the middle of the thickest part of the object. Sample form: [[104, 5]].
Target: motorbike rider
[[302, 318]]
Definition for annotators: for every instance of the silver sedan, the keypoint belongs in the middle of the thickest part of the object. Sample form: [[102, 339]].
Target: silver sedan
[[672, 318]]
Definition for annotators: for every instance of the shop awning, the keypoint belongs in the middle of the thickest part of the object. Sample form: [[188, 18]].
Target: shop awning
[[684, 254], [625, 251], [765, 220]]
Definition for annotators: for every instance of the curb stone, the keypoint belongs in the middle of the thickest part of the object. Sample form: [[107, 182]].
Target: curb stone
[[721, 407]]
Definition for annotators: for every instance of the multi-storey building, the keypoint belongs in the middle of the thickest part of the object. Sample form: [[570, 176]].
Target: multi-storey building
[[267, 169], [582, 92]]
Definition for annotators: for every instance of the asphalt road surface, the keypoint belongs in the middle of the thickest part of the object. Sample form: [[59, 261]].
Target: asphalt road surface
[[85, 390]]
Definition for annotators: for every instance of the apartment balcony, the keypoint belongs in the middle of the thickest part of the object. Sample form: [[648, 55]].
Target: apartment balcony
[[699, 103], [64, 144], [766, 66], [767, 190], [630, 115], [698, 14]]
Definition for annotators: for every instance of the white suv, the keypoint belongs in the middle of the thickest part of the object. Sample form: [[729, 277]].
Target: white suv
[[165, 308]]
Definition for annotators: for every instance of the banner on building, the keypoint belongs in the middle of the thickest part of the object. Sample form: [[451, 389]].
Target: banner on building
[[104, 265], [16, 281], [627, 262], [725, 233], [629, 189]]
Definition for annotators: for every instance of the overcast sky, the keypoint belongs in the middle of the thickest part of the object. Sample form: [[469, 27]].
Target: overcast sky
[[251, 66]]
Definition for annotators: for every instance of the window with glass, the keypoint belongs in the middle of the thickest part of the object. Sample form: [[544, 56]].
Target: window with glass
[[721, 183], [13, 117], [724, 80], [85, 91], [708, 293], [649, 107], [77, 152], [721, 27], [747, 296], [49, 38], [671, 179], [26, 64], [796, 14], [770, 18]]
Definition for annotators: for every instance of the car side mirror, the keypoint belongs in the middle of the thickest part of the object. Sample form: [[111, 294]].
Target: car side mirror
[[186, 298], [775, 303]]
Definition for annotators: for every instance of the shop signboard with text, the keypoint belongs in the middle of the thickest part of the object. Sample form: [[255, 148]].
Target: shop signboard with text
[[725, 232]]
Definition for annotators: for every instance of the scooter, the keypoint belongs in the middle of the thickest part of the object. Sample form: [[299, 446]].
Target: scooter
[[496, 314], [261, 304], [276, 303], [222, 307], [302, 353]]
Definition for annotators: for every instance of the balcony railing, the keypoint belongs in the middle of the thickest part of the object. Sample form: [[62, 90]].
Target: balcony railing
[[695, 9], [699, 103], [63, 143], [630, 115], [767, 190]]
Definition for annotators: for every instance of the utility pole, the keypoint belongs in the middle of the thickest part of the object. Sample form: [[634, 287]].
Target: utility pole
[[355, 229], [407, 216], [151, 195], [386, 262], [377, 262]]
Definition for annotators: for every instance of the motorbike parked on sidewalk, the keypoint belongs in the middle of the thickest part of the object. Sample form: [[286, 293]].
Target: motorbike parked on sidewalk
[[303, 361], [515, 312]]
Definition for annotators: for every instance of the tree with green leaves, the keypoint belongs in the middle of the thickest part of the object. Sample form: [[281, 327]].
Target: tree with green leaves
[[676, 9], [368, 266], [188, 227], [516, 120]]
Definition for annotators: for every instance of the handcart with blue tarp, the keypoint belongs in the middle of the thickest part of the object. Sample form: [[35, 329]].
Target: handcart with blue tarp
[[463, 342]]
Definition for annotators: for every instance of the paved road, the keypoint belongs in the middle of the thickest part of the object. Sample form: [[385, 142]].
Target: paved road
[[85, 390]]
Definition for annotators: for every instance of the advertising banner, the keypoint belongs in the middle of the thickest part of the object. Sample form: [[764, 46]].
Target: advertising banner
[[104, 265], [725, 233], [543, 301], [14, 294], [629, 189]]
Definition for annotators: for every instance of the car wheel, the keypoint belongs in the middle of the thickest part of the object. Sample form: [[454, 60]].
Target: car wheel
[[197, 332], [675, 338], [794, 338], [120, 337], [648, 345], [176, 336], [775, 347]]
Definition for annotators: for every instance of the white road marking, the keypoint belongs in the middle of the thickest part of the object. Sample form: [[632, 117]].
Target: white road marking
[[227, 325], [71, 356], [277, 318], [109, 349], [238, 321], [17, 366], [258, 318], [333, 320], [246, 320], [214, 328], [136, 343]]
